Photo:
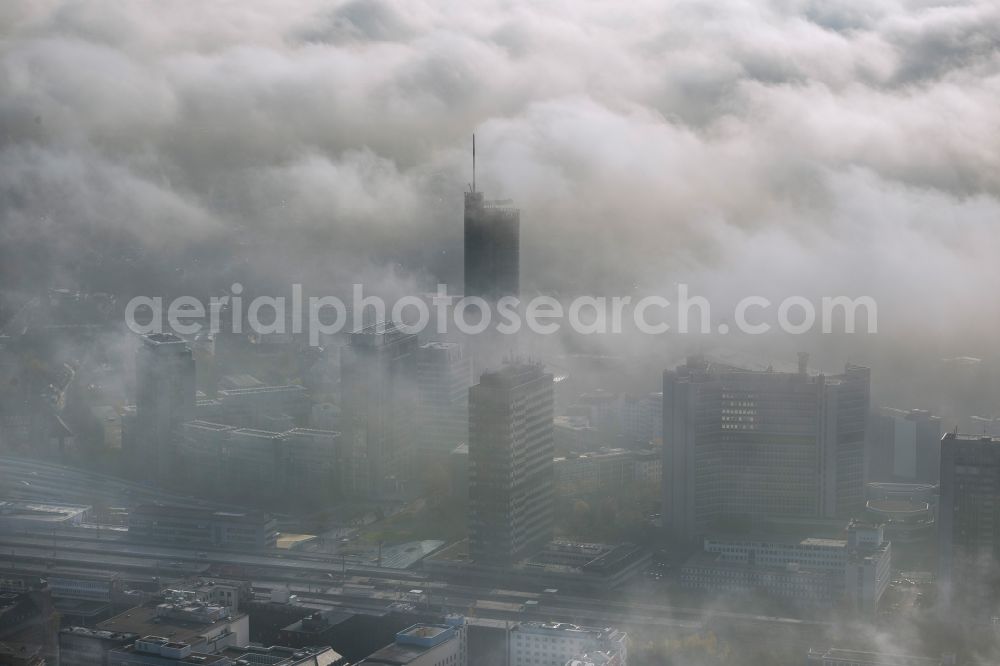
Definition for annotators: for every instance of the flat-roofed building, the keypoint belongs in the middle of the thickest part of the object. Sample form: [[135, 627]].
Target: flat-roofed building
[[556, 643], [425, 645], [160, 651], [192, 526], [203, 627], [83, 646], [840, 657], [807, 571]]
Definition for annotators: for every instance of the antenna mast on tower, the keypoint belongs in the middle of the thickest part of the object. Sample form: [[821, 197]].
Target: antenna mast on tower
[[473, 162]]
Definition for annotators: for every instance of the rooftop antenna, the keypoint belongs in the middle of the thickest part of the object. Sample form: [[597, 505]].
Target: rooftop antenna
[[473, 161]]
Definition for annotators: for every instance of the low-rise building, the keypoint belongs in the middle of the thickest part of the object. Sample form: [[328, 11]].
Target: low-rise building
[[160, 651], [606, 470], [280, 655], [19, 515], [196, 527], [83, 646], [556, 643], [808, 572], [296, 464], [425, 645], [84, 596], [839, 657], [204, 627]]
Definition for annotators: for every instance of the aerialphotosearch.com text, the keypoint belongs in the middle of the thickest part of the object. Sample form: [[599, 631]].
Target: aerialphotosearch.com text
[[319, 316]]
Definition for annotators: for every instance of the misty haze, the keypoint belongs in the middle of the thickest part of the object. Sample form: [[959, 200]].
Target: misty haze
[[499, 333]]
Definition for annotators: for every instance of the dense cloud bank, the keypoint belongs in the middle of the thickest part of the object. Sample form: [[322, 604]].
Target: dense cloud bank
[[794, 146]]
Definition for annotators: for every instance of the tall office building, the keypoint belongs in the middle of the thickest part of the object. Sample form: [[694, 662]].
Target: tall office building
[[492, 269], [969, 524], [741, 445], [165, 398], [511, 474], [444, 375], [378, 381], [492, 248], [904, 446]]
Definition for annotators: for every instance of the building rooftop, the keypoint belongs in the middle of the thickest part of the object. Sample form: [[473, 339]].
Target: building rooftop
[[177, 652], [411, 643], [100, 633], [279, 655], [598, 633], [186, 512], [41, 511], [148, 621], [164, 342], [872, 658]]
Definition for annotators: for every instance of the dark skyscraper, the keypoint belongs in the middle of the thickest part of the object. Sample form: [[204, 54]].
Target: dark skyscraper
[[969, 524], [165, 397], [751, 445], [511, 474], [379, 402], [492, 245]]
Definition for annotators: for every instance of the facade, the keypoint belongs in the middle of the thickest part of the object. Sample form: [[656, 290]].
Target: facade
[[969, 524], [511, 479], [425, 645], [905, 446], [444, 375], [807, 572], [165, 398], [556, 643], [185, 526], [379, 402], [742, 445]]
